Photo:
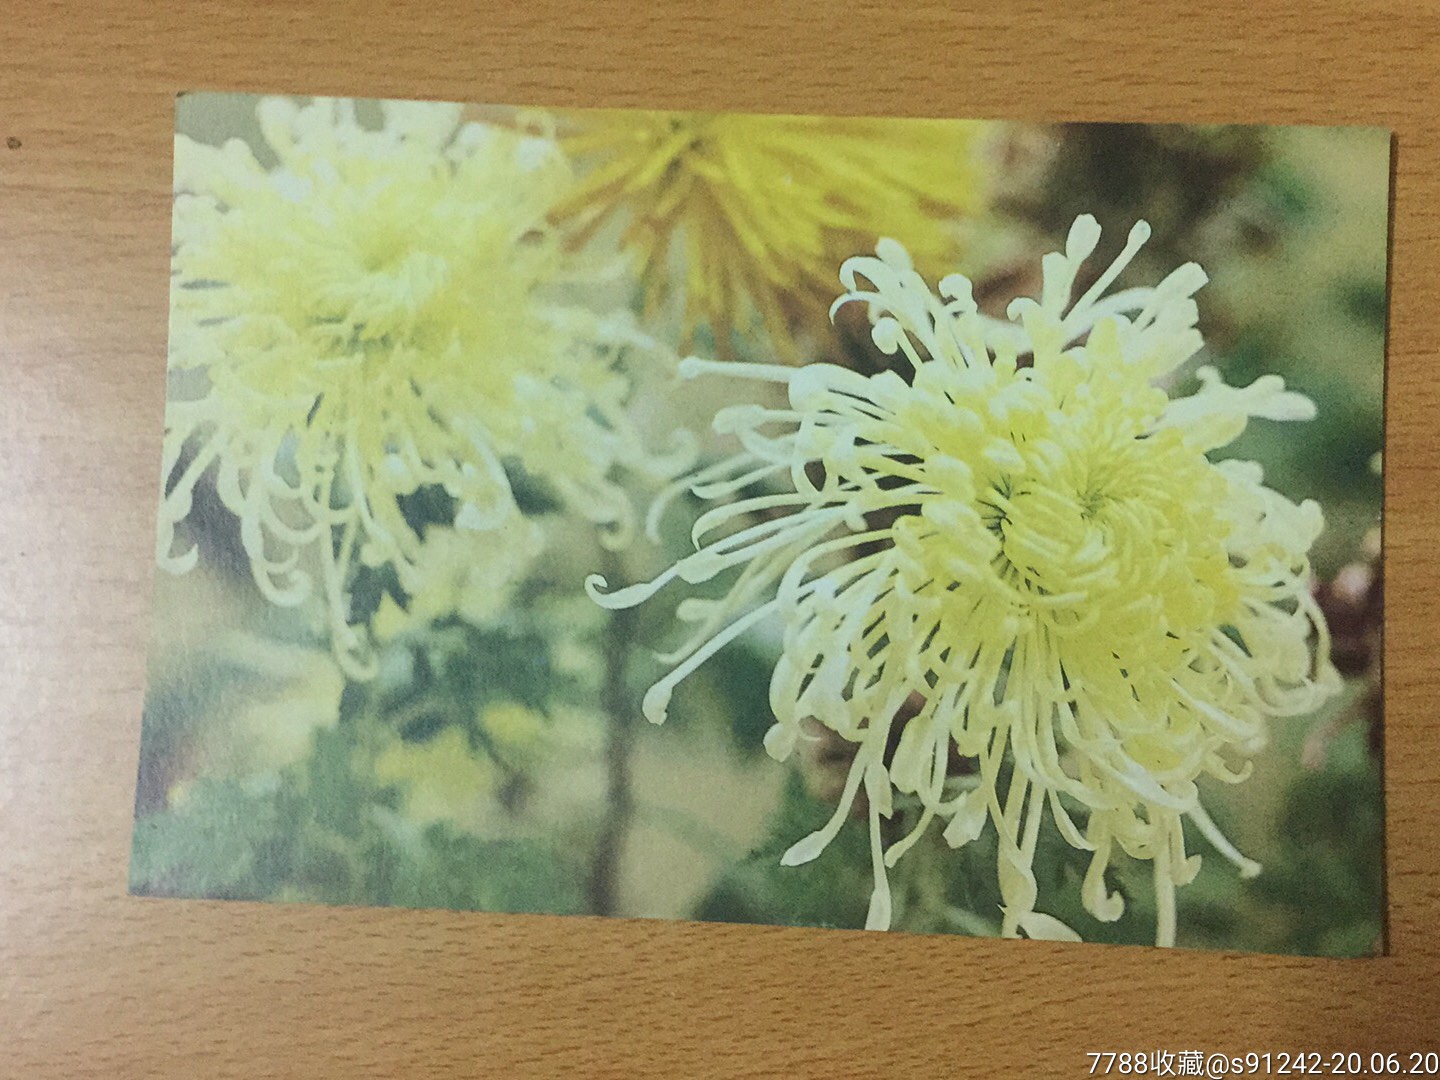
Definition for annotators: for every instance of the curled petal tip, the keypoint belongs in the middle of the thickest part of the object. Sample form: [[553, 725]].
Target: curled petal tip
[[1041, 927], [780, 741], [1084, 235], [805, 850], [893, 253], [656, 703], [593, 584], [179, 564]]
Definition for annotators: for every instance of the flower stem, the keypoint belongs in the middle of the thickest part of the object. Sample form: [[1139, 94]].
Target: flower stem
[[620, 714]]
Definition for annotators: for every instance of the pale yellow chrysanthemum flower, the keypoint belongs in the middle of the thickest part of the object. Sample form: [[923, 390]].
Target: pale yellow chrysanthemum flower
[[762, 208], [382, 310], [1094, 612]]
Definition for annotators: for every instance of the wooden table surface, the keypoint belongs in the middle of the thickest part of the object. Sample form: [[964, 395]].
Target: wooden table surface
[[95, 983]]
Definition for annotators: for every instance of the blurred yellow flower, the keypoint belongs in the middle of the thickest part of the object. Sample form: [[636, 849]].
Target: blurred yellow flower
[[1027, 533], [445, 778], [441, 779], [519, 732], [379, 311], [762, 208]]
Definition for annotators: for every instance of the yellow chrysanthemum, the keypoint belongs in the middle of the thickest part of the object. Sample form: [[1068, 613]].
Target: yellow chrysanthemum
[[380, 311], [763, 208], [1094, 612]]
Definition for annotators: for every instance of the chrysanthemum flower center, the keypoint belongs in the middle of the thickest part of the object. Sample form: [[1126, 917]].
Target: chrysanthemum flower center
[[417, 277]]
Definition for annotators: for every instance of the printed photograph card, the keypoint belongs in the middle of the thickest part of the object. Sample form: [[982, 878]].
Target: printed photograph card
[[923, 525]]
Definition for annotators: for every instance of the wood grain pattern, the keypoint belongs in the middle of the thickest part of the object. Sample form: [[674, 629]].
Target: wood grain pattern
[[94, 983]]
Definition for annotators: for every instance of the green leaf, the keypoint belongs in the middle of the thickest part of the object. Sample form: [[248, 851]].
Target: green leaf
[[205, 846]]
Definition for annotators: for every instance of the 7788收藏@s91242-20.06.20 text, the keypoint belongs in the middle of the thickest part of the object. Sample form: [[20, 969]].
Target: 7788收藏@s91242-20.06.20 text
[[1264, 1063]]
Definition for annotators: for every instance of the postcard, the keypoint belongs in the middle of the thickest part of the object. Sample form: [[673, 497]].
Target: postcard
[[916, 525]]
